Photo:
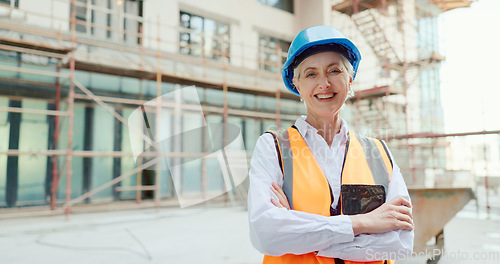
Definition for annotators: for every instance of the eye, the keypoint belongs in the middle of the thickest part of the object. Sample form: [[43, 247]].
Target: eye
[[334, 71], [311, 74]]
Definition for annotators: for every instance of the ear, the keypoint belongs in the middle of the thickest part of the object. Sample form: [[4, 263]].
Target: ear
[[350, 82], [294, 81]]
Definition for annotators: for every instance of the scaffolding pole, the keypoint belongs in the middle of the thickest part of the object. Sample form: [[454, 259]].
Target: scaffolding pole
[[71, 114], [74, 95], [55, 158], [158, 117]]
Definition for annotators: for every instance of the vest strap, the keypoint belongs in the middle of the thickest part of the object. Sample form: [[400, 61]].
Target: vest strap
[[278, 151], [373, 153], [285, 156], [386, 151], [311, 191], [375, 161]]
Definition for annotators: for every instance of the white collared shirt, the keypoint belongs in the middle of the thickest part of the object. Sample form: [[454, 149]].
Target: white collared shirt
[[277, 231]]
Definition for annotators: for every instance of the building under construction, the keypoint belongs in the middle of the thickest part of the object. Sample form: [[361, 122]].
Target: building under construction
[[72, 71]]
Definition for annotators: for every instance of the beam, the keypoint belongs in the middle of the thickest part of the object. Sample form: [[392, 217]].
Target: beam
[[376, 92], [150, 75], [435, 135], [12, 182], [39, 47], [447, 5]]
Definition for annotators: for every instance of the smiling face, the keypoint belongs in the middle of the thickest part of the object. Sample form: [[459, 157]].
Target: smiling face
[[324, 82]]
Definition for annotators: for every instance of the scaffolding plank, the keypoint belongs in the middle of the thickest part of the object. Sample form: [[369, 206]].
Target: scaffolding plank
[[347, 6], [33, 46], [150, 75], [376, 92], [447, 5]]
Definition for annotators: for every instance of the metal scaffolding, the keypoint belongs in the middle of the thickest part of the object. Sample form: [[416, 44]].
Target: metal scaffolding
[[147, 64], [383, 108]]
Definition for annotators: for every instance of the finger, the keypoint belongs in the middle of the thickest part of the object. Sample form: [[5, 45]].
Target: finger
[[283, 201], [276, 192], [281, 196], [285, 204], [404, 218], [404, 210], [401, 201], [406, 226], [276, 203], [278, 195], [279, 189]]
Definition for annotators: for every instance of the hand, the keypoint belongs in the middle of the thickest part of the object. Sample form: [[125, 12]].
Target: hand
[[392, 215], [282, 202]]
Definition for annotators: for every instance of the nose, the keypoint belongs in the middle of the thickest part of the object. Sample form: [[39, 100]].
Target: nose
[[324, 82]]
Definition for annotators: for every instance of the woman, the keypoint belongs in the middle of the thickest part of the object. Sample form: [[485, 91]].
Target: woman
[[320, 193]]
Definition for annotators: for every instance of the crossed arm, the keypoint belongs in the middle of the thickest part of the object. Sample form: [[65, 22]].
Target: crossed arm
[[392, 215], [275, 230]]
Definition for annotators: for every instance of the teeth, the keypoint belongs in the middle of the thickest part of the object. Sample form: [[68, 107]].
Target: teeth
[[324, 96]]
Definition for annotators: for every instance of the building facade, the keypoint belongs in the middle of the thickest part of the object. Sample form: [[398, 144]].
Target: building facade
[[54, 135]]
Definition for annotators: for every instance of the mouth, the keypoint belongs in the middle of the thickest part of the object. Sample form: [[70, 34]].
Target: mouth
[[325, 96]]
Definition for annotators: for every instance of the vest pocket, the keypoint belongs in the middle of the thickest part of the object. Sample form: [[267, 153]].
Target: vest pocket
[[361, 199]]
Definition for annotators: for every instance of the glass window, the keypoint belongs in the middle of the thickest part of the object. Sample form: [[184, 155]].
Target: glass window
[[214, 180], [77, 163], [266, 104], [191, 167], [251, 132], [102, 141], [286, 5], [293, 107], [115, 20], [236, 100], [81, 16], [272, 53], [4, 146], [214, 97], [12, 3], [32, 168], [204, 37], [128, 163], [249, 101]]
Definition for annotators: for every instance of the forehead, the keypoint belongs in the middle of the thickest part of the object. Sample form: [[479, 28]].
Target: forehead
[[322, 59]]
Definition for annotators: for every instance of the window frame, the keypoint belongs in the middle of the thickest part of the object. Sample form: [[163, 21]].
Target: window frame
[[283, 46], [11, 3], [89, 10], [287, 6], [220, 38]]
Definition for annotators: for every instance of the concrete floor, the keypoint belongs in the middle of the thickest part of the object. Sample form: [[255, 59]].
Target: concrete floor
[[200, 235], [190, 235]]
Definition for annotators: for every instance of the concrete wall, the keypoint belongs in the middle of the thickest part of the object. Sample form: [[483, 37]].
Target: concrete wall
[[247, 19], [51, 14]]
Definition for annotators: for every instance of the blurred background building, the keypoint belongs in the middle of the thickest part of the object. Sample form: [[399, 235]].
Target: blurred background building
[[62, 60]]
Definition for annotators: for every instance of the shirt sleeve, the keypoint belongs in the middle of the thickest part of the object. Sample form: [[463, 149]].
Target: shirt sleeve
[[278, 231], [390, 245]]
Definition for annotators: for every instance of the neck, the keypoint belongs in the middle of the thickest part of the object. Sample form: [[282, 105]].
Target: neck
[[327, 127]]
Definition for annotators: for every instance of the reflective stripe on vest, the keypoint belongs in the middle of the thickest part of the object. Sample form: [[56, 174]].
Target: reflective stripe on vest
[[366, 162]]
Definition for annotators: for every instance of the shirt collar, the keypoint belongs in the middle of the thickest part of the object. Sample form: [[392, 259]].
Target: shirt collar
[[305, 128]]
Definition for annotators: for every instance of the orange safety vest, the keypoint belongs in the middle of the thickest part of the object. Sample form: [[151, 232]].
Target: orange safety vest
[[366, 162]]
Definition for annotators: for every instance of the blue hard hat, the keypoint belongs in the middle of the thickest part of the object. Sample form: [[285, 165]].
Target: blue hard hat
[[314, 40]]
